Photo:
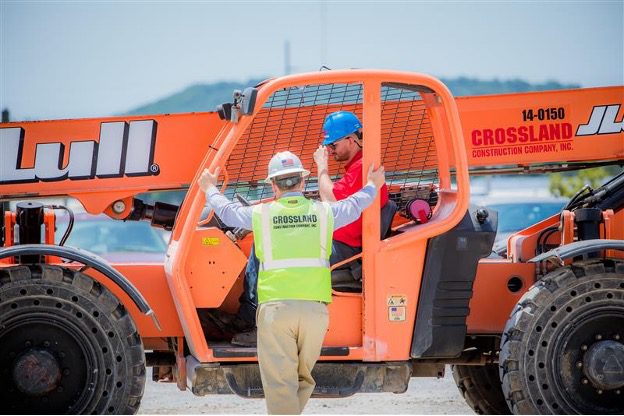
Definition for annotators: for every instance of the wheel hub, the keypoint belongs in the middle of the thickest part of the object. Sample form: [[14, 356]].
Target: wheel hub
[[604, 364], [36, 372], [43, 361]]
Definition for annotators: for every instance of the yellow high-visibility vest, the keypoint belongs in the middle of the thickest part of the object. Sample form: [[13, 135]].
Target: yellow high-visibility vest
[[293, 240]]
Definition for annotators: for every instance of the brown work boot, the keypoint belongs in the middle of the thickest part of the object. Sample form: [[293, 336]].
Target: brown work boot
[[246, 339]]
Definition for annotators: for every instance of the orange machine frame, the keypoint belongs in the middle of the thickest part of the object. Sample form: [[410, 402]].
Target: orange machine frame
[[186, 143]]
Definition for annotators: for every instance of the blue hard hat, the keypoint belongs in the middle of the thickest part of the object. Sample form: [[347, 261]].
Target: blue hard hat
[[338, 125]]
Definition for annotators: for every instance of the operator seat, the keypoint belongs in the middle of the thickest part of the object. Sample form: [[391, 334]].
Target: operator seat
[[348, 278]]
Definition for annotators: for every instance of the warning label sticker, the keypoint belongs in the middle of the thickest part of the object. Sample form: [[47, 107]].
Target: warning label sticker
[[397, 307], [397, 300], [396, 313], [210, 241]]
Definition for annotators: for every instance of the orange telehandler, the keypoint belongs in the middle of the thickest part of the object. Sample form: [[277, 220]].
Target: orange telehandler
[[539, 330]]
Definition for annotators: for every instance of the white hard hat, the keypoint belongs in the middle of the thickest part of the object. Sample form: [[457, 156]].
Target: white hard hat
[[284, 163]]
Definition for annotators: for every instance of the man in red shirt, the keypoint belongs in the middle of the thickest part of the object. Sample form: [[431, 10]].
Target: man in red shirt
[[343, 140]]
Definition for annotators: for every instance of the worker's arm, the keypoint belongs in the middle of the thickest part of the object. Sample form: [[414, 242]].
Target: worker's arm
[[348, 210], [233, 214], [325, 184]]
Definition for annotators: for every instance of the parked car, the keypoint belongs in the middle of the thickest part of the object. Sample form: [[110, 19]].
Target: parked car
[[519, 212], [114, 240]]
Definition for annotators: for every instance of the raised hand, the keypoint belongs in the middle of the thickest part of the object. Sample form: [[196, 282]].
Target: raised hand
[[208, 179], [378, 176], [320, 158]]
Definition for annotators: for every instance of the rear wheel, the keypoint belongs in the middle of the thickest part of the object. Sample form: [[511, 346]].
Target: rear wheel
[[563, 349], [481, 387], [66, 345]]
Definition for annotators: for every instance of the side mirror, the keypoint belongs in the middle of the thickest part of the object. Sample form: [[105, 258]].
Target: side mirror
[[225, 111], [248, 101], [243, 105]]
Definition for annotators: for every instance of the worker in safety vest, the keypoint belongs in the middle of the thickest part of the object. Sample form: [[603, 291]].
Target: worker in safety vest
[[293, 237]]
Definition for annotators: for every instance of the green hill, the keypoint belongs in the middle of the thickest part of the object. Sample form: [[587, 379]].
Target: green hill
[[199, 97], [205, 97], [463, 86]]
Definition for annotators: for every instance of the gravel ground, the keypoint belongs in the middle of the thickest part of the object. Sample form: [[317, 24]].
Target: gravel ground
[[424, 396]]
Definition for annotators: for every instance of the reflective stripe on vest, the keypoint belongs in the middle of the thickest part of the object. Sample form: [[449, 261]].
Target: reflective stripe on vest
[[286, 264], [323, 210], [270, 264]]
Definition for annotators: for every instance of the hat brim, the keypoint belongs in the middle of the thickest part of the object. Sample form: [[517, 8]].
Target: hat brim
[[304, 173]]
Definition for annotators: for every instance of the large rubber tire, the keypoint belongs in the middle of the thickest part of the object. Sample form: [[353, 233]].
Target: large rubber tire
[[481, 388], [67, 345], [569, 315]]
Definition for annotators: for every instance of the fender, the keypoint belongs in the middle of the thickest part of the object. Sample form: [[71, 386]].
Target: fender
[[579, 247], [89, 259]]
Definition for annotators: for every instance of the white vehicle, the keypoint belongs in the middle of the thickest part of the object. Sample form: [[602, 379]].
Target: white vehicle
[[518, 213]]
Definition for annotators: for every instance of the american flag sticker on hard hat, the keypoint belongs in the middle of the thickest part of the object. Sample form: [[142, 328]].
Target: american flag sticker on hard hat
[[288, 162]]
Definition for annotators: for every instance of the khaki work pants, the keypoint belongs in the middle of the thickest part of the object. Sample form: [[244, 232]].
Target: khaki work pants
[[290, 336]]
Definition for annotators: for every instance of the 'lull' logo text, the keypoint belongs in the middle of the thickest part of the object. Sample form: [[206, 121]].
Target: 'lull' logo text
[[123, 149]]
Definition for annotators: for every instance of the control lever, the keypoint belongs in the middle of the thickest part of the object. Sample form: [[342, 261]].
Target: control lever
[[240, 233]]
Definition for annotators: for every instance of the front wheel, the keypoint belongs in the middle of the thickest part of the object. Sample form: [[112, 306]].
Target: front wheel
[[66, 345], [481, 388], [563, 350]]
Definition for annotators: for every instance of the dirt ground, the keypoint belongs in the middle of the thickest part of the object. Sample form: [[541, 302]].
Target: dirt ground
[[424, 396]]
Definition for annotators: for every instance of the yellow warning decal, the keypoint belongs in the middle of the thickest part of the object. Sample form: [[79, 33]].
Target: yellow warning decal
[[211, 241]]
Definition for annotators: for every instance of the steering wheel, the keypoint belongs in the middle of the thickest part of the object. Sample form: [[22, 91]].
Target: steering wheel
[[213, 220], [240, 233], [242, 199]]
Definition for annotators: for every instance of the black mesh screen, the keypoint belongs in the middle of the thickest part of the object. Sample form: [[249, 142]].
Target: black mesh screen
[[292, 119], [408, 147]]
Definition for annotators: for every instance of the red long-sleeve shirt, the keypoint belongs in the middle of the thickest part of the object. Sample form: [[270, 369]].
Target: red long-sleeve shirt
[[349, 184]]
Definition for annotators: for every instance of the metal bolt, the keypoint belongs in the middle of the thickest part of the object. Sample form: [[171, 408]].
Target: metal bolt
[[617, 337], [59, 389], [617, 392], [583, 347], [46, 343], [579, 364], [28, 344], [62, 354], [599, 391], [598, 337], [66, 372], [119, 206], [584, 381]]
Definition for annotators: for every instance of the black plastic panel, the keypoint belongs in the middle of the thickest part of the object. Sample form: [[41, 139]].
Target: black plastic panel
[[229, 351], [446, 289]]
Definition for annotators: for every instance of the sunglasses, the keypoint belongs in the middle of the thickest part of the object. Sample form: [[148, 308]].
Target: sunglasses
[[333, 145]]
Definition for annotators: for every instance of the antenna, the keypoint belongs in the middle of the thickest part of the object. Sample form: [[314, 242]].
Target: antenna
[[287, 67], [323, 32]]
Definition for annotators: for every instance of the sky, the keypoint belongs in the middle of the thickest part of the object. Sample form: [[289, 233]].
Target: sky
[[73, 59]]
